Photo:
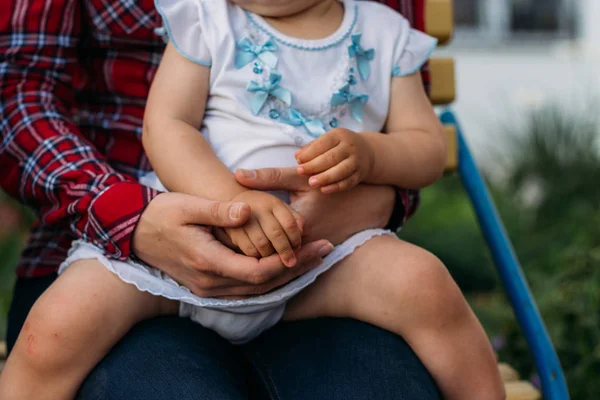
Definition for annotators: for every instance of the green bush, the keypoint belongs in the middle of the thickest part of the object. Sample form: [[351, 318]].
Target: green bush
[[9, 253], [549, 202], [569, 302], [14, 222]]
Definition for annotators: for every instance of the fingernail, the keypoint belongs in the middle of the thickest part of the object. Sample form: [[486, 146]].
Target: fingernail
[[323, 251], [291, 262], [313, 181], [246, 173], [236, 210], [300, 170]]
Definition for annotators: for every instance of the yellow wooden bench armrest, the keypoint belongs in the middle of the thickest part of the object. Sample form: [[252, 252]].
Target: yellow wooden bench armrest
[[439, 19], [443, 85], [521, 390], [452, 156]]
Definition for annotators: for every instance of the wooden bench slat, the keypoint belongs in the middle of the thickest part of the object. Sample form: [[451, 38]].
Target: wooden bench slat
[[508, 373], [443, 85], [439, 19], [452, 157], [521, 390], [2, 354]]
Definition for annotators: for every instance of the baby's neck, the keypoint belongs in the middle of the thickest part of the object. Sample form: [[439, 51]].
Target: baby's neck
[[316, 22]]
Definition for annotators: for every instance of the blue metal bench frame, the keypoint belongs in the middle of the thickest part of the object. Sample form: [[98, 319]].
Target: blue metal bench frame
[[554, 386]]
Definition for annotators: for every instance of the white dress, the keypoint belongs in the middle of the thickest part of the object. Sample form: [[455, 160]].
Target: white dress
[[269, 95]]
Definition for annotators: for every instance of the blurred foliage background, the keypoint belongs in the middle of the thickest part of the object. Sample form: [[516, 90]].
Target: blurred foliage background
[[548, 195], [14, 223]]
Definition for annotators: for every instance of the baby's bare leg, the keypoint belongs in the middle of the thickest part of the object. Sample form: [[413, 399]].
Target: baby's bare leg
[[71, 327], [406, 290]]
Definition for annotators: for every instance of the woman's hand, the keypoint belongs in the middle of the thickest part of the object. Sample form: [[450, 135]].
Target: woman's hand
[[174, 235], [334, 217]]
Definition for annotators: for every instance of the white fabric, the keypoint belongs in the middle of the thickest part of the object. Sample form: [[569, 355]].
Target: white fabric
[[208, 31], [411, 53], [236, 320], [183, 21]]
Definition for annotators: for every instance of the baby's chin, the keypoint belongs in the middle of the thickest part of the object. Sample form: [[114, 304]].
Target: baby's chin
[[276, 8]]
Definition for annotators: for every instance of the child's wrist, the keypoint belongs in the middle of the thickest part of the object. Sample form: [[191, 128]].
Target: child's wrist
[[369, 156], [236, 191], [228, 191]]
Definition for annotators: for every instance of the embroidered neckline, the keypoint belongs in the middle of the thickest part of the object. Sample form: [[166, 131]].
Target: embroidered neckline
[[274, 101], [341, 34], [280, 99]]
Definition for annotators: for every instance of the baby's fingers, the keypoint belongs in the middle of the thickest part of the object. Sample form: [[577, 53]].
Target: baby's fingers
[[323, 162], [338, 173], [340, 186], [290, 225], [279, 239], [240, 238], [298, 217], [258, 238], [316, 148]]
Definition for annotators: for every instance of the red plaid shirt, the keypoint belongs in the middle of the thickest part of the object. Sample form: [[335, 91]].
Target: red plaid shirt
[[74, 77]]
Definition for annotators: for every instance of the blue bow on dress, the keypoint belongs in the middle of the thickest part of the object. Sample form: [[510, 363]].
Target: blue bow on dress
[[247, 52], [315, 127], [355, 101], [363, 57], [270, 88]]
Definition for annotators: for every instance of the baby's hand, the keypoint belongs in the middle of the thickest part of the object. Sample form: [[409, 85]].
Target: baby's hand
[[272, 227], [336, 161]]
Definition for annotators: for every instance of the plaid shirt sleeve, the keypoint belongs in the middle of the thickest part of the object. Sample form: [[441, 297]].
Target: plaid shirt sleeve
[[44, 159]]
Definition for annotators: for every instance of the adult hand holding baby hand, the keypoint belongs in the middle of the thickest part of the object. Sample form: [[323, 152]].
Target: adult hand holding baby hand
[[339, 160], [272, 227], [174, 235], [334, 217]]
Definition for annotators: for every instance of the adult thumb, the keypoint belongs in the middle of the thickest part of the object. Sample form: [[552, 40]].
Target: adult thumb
[[199, 211]]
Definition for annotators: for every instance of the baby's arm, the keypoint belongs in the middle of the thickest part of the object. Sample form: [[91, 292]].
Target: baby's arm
[[411, 155], [185, 162], [181, 157]]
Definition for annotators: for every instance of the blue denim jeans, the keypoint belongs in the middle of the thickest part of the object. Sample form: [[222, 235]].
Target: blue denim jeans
[[174, 358]]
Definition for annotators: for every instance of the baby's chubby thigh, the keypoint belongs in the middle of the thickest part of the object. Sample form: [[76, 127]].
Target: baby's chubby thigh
[[88, 305], [386, 282], [71, 327]]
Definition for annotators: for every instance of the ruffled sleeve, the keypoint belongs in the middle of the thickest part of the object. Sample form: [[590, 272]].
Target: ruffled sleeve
[[412, 52], [182, 22]]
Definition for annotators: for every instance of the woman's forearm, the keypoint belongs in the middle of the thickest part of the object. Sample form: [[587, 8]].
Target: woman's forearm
[[185, 162]]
